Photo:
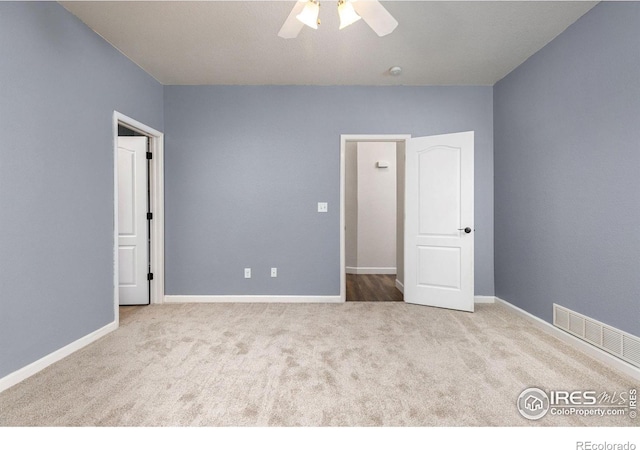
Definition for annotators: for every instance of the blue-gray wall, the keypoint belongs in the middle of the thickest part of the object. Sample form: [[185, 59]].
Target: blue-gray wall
[[567, 172], [246, 166], [59, 85]]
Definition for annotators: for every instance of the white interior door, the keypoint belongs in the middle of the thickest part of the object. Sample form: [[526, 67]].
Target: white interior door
[[439, 221], [132, 221]]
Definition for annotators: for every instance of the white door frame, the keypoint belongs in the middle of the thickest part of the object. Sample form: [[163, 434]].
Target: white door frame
[[344, 138], [156, 183]]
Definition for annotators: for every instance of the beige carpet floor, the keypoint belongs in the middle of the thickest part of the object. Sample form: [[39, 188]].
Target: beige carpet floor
[[353, 364]]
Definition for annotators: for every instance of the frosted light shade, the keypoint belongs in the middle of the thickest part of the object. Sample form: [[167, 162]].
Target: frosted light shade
[[309, 15], [347, 14]]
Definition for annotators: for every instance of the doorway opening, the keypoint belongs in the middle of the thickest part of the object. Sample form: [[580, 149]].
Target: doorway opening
[[372, 217], [150, 191]]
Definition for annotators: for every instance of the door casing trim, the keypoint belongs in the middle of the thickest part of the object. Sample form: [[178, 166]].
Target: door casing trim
[[156, 183], [344, 138]]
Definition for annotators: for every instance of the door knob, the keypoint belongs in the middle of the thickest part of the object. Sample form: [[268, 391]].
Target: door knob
[[466, 230]]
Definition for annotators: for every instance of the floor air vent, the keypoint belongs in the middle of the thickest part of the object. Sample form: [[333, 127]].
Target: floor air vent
[[623, 345]]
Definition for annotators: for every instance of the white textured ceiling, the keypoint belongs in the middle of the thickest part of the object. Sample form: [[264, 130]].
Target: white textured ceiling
[[235, 42]]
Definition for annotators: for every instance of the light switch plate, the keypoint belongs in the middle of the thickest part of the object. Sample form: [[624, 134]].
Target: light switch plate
[[274, 272], [323, 207], [247, 272]]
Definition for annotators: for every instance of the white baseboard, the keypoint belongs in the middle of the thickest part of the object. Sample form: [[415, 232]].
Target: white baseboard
[[371, 270], [400, 286], [484, 299], [578, 344], [253, 299], [35, 367]]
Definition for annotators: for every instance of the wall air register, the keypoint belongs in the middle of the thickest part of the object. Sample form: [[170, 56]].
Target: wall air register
[[623, 345]]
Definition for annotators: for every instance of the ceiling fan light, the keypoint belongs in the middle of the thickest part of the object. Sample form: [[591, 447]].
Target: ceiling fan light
[[347, 14], [309, 15]]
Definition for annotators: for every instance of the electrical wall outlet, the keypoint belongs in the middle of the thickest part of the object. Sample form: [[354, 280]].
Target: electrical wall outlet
[[323, 207], [247, 272], [274, 272]]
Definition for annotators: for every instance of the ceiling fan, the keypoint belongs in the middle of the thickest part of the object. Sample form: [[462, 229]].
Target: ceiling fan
[[305, 12]]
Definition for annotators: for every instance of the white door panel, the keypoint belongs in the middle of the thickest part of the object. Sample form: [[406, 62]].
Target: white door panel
[[132, 221], [439, 267], [126, 190], [439, 184], [438, 207], [127, 265]]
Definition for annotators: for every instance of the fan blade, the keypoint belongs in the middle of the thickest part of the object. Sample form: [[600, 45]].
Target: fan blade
[[376, 16], [292, 26]]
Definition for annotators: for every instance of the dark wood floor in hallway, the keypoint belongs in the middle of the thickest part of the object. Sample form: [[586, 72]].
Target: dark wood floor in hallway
[[372, 288]]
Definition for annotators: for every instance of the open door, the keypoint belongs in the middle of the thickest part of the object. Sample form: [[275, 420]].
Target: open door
[[439, 229], [133, 252]]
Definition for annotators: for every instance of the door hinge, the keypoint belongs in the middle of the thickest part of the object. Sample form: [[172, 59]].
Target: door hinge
[[150, 276], [149, 155], [149, 216]]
